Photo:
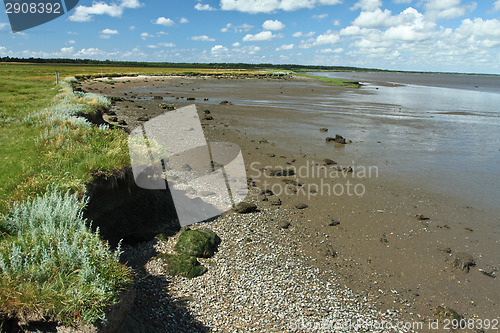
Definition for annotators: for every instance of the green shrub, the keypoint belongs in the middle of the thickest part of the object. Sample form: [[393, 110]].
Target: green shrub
[[52, 266]]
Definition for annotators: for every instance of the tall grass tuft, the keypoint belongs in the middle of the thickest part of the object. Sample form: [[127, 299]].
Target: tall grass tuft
[[52, 266]]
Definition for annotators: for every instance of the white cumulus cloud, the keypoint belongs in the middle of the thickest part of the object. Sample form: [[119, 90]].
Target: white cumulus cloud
[[285, 47], [109, 32], [274, 25], [85, 14], [203, 38], [302, 34], [268, 6], [237, 28], [219, 50], [263, 36], [200, 6], [367, 5], [250, 49], [496, 5], [92, 51], [329, 37], [145, 35], [447, 9], [67, 50], [164, 21]]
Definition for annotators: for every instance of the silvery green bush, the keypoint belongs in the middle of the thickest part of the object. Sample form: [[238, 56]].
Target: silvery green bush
[[52, 265]]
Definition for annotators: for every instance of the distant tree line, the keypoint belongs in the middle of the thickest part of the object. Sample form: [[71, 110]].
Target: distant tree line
[[290, 67]]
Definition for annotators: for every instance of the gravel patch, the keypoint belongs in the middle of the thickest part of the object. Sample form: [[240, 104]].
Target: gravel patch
[[259, 281]]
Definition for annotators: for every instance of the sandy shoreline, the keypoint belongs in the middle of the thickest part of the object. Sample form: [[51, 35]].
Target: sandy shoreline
[[381, 249]]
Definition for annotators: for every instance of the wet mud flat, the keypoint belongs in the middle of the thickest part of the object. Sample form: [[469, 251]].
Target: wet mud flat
[[404, 248]]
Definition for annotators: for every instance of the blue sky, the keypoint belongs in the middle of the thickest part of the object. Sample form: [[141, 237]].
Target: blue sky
[[429, 35]]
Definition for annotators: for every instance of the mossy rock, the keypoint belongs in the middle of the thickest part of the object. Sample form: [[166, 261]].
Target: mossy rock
[[182, 265], [443, 312], [199, 243]]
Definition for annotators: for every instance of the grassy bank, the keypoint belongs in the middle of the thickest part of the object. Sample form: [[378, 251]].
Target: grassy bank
[[52, 266], [332, 81]]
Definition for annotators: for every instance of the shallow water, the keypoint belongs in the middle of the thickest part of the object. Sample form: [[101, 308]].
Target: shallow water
[[441, 130]]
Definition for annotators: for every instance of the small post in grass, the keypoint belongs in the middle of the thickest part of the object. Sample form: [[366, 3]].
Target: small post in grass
[[57, 76]]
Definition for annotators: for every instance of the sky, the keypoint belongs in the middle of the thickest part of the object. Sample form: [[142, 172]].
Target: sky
[[418, 35]]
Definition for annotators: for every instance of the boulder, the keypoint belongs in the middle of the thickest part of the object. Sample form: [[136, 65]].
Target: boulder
[[245, 208], [200, 243], [301, 206], [182, 265]]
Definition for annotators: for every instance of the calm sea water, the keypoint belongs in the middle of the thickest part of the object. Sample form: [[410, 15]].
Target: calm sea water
[[441, 129]]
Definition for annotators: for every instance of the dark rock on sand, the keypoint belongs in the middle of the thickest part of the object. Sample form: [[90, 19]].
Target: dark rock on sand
[[158, 98], [166, 106], [224, 103], [282, 173], [301, 206], [245, 208], [208, 118], [266, 192], [206, 112], [337, 139], [323, 129], [190, 98], [332, 222], [463, 261], [284, 224], [421, 217], [143, 118], [329, 161]]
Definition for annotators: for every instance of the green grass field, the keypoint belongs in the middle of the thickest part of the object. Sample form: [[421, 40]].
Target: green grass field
[[26, 168]]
